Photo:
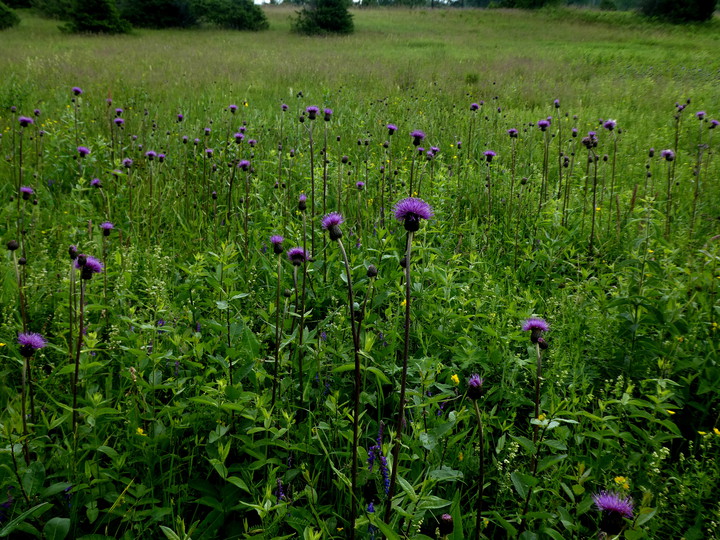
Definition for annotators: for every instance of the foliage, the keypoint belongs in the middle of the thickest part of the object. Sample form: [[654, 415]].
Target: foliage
[[158, 13], [96, 17], [8, 18], [231, 14], [679, 11], [324, 17], [56, 9]]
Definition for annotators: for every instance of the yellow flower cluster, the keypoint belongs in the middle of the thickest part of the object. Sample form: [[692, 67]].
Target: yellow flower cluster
[[622, 481]]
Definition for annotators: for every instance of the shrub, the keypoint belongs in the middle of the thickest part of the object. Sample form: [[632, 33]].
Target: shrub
[[679, 11], [324, 17], [158, 13], [56, 9], [8, 18], [233, 14], [97, 17]]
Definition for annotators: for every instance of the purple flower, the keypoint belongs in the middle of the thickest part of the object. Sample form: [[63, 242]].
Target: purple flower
[[83, 151], [77, 90], [207, 131], [95, 182], [30, 342], [36, 112], [610, 125], [489, 155], [88, 266], [252, 143], [513, 133], [360, 185], [536, 326], [244, 165], [180, 117], [276, 241], [150, 154], [543, 124], [26, 192], [312, 112], [392, 128], [284, 107], [417, 136], [475, 383], [556, 103], [25, 121], [106, 227], [714, 123], [328, 114], [668, 154], [127, 163], [161, 157], [209, 152], [239, 137], [232, 108], [611, 502], [474, 106], [446, 525], [411, 210], [119, 121], [118, 112], [331, 223], [297, 255], [700, 115], [302, 202]]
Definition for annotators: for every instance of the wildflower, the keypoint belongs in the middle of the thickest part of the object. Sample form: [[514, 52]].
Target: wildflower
[[180, 117], [461, 456], [73, 252], [716, 431], [536, 326], [209, 152], [140, 431], [106, 227], [25, 121], [276, 241], [392, 128], [77, 90], [119, 121], [252, 143], [513, 133], [150, 154], [543, 124], [232, 108], [26, 192], [95, 182], [83, 151], [417, 136], [714, 123], [328, 114], [622, 481], [474, 106], [302, 202], [700, 115], [668, 154], [284, 107], [610, 125], [475, 383], [297, 256], [455, 379], [446, 524], [30, 342], [556, 103], [88, 266], [280, 493], [239, 137], [127, 163], [489, 155], [360, 185], [411, 210], [331, 223], [613, 509], [312, 112]]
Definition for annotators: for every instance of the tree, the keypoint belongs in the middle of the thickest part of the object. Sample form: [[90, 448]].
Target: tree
[[8, 18], [158, 13], [232, 14], [325, 17], [679, 11], [96, 17]]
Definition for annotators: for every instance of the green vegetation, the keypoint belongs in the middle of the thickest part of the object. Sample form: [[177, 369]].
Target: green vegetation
[[325, 17], [8, 18], [196, 382]]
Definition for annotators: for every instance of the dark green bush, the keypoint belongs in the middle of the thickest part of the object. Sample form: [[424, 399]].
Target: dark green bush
[[679, 11], [233, 14], [324, 17], [56, 9], [158, 13], [96, 17], [8, 18], [17, 3]]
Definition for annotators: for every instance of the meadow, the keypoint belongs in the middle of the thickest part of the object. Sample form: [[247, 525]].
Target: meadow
[[452, 276]]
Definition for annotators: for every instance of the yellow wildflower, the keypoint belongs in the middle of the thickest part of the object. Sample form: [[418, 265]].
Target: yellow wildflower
[[141, 432], [403, 303], [455, 379], [716, 431], [541, 417], [622, 481], [651, 251], [461, 456], [2, 344], [671, 412], [702, 433]]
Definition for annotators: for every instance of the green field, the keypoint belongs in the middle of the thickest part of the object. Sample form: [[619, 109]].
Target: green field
[[193, 383]]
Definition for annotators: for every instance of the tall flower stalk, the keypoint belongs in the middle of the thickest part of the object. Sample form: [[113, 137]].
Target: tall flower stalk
[[29, 343], [410, 211], [277, 244], [331, 223], [475, 393]]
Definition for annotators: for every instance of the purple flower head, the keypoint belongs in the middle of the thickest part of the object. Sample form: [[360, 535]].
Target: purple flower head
[[25, 121], [118, 112], [474, 106], [360, 185], [370, 508], [83, 151], [700, 115], [232, 108], [207, 131], [209, 152], [30, 342], [417, 136], [180, 117], [556, 103], [244, 164], [161, 157], [88, 266], [239, 137], [411, 210], [446, 525], [543, 124], [435, 150], [77, 90], [297, 255], [392, 128], [328, 114], [668, 154], [26, 192], [536, 326], [106, 227], [276, 240], [252, 143], [610, 125], [312, 112], [127, 163], [475, 383], [459, 145], [119, 121], [196, 141], [574, 132], [302, 202], [489, 155], [95, 182], [331, 223], [36, 112], [150, 154], [714, 123], [614, 510], [513, 133], [284, 107]]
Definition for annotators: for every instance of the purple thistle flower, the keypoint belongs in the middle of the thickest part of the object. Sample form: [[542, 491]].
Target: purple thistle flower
[[543, 124], [435, 150], [207, 131], [417, 136], [30, 342], [161, 157], [36, 112], [328, 114], [95, 182], [574, 132], [556, 103], [714, 123], [83, 151], [360, 185], [474, 106], [284, 107], [668, 154], [302, 202], [276, 240], [196, 141], [239, 137], [209, 152], [513, 133], [331, 223], [88, 266], [297, 256], [489, 155], [25, 121], [312, 112], [127, 163], [536, 326], [244, 165], [411, 210], [26, 192], [392, 128], [180, 117], [610, 125], [106, 227], [118, 112], [446, 523], [232, 108], [252, 143], [150, 154], [611, 502], [700, 115], [77, 90], [475, 383]]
